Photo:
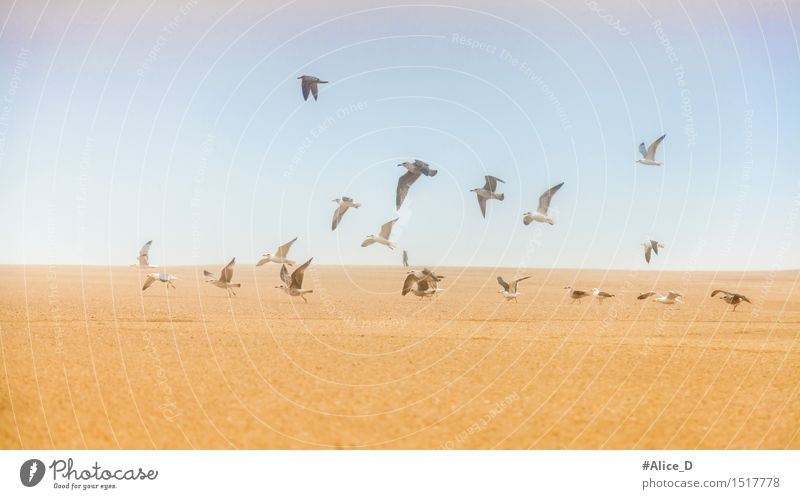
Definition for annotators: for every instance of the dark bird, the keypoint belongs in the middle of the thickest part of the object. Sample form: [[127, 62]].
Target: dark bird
[[309, 84], [488, 192], [730, 298], [415, 169], [509, 290]]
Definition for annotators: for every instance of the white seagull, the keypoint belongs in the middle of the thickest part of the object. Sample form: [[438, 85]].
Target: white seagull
[[159, 276], [293, 285], [415, 169], [544, 204], [383, 237], [143, 261], [509, 290], [576, 294], [649, 154], [344, 203], [601, 295], [280, 256], [422, 283], [224, 279], [670, 298], [309, 83], [730, 298], [651, 246], [488, 192]]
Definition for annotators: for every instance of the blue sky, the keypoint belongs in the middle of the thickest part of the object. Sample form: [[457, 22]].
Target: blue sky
[[183, 122]]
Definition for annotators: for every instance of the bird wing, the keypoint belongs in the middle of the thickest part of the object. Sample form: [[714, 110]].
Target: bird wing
[[672, 295], [491, 183], [651, 151], [405, 258], [297, 275], [645, 295], [145, 249], [262, 262], [718, 291], [367, 242], [347, 199], [516, 281], [314, 89], [643, 150], [284, 250], [403, 184], [544, 199], [502, 283], [647, 251], [148, 282], [337, 215], [604, 294], [654, 244], [482, 204], [227, 272], [409, 283], [306, 84], [743, 297], [386, 229], [285, 276]]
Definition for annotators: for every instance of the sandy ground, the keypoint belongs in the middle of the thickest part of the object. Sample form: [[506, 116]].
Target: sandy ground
[[88, 360]]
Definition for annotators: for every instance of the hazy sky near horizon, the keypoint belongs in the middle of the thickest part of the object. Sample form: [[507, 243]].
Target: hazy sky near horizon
[[183, 122]]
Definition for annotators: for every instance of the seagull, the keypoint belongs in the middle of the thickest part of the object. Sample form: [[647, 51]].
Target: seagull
[[670, 298], [344, 204], [309, 83], [159, 276], [405, 258], [280, 255], [144, 257], [415, 169], [509, 290], [649, 154], [601, 295], [487, 192], [544, 205], [224, 279], [731, 298], [422, 283], [293, 286], [651, 247], [383, 238], [576, 294]]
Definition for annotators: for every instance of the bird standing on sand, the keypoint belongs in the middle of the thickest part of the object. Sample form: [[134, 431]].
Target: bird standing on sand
[[423, 283], [143, 261], [293, 285], [224, 279], [509, 290], [415, 169], [544, 204], [601, 295], [730, 298], [344, 203], [309, 84], [651, 247], [670, 298], [488, 192], [405, 258], [280, 255], [159, 276], [649, 154], [576, 294], [383, 237]]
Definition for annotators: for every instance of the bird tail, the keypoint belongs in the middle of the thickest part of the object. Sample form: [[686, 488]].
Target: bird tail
[[433, 173], [392, 245], [501, 196], [356, 205]]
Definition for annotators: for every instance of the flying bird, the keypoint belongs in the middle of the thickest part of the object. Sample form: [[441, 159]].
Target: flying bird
[[651, 247], [601, 295], [423, 283], [280, 256], [509, 290], [293, 285], [309, 83], [224, 279], [344, 203], [405, 258], [488, 192], [143, 261], [383, 237], [544, 205], [159, 276], [668, 298], [415, 169], [576, 294], [730, 298], [649, 154]]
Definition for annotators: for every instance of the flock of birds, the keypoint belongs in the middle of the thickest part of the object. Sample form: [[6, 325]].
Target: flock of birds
[[425, 283]]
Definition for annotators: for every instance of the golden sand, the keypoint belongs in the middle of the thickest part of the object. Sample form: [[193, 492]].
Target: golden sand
[[89, 361]]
